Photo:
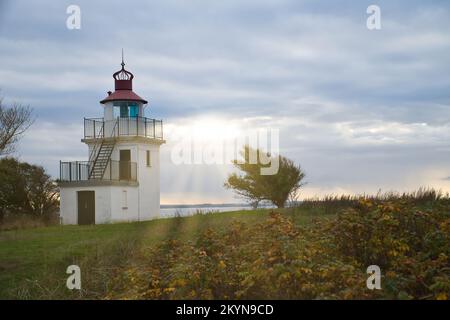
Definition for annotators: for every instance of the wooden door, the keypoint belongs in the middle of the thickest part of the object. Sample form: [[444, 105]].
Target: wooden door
[[86, 207], [124, 165]]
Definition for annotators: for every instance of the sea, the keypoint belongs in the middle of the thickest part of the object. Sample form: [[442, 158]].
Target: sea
[[168, 211]]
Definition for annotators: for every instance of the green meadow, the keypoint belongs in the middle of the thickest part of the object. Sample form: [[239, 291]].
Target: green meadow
[[320, 249], [33, 262]]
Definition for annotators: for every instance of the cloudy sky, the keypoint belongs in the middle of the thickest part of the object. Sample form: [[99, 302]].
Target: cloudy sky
[[360, 110]]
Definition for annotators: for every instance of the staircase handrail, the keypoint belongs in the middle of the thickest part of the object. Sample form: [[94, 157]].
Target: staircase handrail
[[96, 150]]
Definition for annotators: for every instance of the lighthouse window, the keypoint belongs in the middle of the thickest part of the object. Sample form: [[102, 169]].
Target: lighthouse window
[[134, 111], [126, 109], [118, 112], [124, 199], [149, 160]]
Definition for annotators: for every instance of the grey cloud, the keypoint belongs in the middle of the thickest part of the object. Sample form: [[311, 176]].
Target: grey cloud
[[359, 109]]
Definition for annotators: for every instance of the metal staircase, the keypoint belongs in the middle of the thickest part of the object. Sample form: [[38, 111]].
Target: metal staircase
[[102, 159], [101, 155]]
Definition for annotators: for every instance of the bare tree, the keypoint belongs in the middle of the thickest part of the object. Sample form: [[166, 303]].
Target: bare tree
[[14, 121]]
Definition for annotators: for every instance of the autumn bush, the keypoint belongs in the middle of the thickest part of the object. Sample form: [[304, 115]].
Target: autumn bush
[[269, 260], [410, 242], [276, 259]]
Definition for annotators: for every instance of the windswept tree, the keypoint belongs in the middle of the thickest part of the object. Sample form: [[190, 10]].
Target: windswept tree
[[254, 186], [14, 121], [246, 186]]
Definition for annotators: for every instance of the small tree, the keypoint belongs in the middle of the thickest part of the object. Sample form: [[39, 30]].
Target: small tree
[[255, 187], [14, 121], [26, 189], [246, 187]]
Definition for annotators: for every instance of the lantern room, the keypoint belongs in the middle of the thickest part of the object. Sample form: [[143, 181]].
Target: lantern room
[[123, 102]]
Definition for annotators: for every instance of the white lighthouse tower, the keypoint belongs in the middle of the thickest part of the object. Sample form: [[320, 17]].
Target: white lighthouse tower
[[120, 179]]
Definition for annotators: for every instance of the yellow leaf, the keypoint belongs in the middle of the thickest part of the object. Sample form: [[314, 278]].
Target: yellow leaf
[[442, 296]]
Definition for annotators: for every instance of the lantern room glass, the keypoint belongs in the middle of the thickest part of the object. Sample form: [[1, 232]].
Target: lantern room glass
[[134, 110], [126, 109]]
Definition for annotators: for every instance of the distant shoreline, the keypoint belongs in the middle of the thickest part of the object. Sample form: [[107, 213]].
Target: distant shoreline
[[204, 205], [214, 205]]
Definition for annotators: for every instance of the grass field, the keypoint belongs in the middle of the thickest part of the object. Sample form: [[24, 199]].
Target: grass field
[[319, 250], [33, 261]]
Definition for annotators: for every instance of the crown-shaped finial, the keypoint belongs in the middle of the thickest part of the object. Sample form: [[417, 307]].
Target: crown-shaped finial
[[123, 74]]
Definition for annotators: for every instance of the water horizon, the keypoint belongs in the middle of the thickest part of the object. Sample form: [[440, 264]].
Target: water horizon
[[191, 209]]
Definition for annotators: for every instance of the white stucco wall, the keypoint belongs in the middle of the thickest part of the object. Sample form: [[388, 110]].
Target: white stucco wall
[[124, 209], [69, 204], [149, 181], [148, 194], [112, 204]]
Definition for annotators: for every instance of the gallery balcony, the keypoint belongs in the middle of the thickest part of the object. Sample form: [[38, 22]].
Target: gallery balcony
[[98, 128], [85, 173]]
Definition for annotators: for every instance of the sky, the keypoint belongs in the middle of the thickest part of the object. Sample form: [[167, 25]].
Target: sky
[[360, 110]]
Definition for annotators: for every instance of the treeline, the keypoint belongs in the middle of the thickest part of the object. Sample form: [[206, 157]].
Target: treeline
[[28, 195], [26, 191]]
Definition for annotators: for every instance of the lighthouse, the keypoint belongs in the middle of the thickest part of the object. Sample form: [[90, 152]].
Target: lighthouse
[[120, 180]]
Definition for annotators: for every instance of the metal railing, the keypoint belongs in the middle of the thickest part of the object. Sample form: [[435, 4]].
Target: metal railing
[[96, 128], [96, 146], [115, 171], [74, 171]]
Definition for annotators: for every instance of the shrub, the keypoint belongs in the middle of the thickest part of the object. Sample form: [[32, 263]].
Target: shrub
[[411, 244], [276, 259], [270, 260]]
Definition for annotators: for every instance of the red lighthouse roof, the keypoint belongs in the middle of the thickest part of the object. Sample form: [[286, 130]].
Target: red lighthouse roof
[[123, 82]]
